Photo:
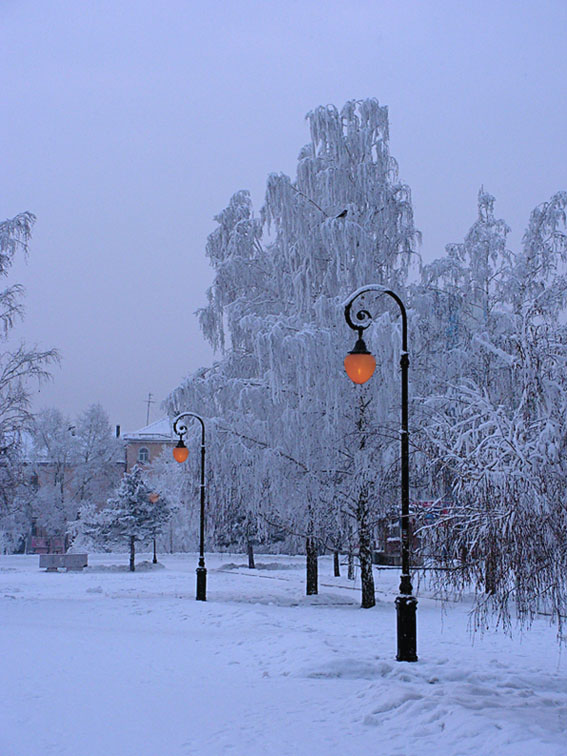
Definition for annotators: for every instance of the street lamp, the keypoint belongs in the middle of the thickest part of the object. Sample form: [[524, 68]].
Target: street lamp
[[359, 365], [154, 498], [180, 454]]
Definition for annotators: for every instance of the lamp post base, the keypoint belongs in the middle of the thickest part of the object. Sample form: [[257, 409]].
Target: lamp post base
[[406, 606], [201, 583]]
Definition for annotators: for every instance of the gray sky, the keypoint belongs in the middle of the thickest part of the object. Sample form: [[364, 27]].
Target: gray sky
[[127, 125]]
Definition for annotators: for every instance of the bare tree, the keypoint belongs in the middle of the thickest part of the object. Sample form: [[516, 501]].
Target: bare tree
[[20, 366]]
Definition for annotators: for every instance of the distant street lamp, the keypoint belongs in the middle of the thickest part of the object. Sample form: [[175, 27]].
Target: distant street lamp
[[154, 498], [360, 365], [180, 454]]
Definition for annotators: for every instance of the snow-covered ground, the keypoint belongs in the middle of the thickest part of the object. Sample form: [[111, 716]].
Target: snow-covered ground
[[111, 663]]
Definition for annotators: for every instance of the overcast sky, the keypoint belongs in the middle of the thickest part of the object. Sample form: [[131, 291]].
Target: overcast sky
[[127, 125]]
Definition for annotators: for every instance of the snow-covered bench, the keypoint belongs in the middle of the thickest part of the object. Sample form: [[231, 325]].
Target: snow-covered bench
[[52, 562]]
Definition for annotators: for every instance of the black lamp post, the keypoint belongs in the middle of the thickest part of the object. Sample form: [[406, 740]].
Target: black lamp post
[[154, 498], [180, 454], [359, 365]]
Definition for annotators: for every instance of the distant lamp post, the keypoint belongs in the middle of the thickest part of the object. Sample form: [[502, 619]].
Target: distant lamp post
[[154, 498], [360, 365], [180, 454]]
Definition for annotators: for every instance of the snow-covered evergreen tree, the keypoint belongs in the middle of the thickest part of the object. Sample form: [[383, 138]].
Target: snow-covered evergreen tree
[[133, 514]]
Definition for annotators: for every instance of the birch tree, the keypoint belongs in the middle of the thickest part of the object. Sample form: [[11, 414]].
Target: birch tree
[[274, 308], [498, 435], [20, 368]]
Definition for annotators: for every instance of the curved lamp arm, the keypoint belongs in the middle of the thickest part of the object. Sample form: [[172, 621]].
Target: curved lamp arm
[[364, 318], [180, 429]]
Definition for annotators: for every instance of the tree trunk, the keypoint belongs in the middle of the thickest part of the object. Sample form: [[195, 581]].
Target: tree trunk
[[311, 553], [490, 575], [155, 552], [350, 569], [336, 564], [366, 574], [251, 565], [132, 553], [367, 577]]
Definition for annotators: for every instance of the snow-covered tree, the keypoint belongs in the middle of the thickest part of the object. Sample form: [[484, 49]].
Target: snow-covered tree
[[178, 486], [20, 366], [74, 462], [53, 458], [460, 304], [495, 436], [279, 395], [99, 455], [136, 513]]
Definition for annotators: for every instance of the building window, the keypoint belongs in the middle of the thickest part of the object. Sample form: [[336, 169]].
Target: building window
[[143, 455]]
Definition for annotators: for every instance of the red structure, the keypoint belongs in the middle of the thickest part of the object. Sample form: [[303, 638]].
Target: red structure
[[42, 542]]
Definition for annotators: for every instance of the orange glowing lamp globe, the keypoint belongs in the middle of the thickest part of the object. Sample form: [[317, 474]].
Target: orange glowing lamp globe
[[181, 452], [360, 364]]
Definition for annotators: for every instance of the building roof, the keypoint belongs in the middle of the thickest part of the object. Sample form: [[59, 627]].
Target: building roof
[[159, 430]]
